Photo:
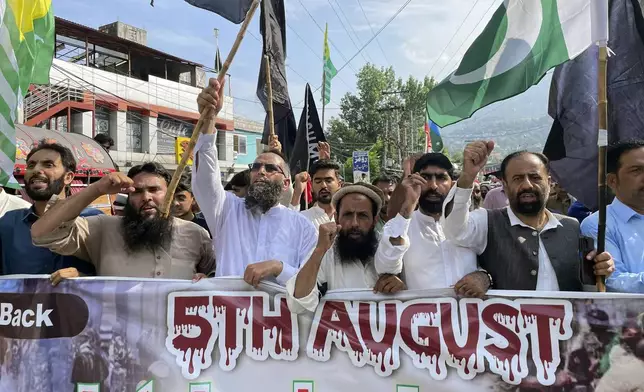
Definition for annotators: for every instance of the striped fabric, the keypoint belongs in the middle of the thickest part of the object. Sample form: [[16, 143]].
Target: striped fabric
[[27, 38]]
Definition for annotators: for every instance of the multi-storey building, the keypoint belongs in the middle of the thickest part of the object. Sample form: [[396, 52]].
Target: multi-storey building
[[107, 80]]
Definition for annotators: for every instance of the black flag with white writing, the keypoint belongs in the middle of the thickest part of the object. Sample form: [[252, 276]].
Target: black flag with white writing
[[309, 134]]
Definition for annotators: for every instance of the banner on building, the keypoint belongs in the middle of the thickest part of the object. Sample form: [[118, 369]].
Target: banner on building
[[361, 166], [149, 335]]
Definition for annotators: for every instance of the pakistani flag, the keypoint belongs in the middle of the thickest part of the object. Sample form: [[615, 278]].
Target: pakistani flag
[[27, 40], [522, 41], [329, 69]]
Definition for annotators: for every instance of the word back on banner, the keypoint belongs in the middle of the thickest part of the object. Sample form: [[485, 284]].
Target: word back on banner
[[219, 335]]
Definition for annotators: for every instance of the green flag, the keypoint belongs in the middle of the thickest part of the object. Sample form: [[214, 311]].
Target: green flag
[[522, 41], [329, 69], [27, 37]]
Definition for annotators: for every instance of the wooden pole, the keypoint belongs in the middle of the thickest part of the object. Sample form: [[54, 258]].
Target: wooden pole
[[602, 142], [169, 196], [269, 87]]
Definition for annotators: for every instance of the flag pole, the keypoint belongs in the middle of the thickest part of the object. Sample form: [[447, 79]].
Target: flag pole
[[308, 157], [169, 196], [323, 96], [602, 143], [269, 87]]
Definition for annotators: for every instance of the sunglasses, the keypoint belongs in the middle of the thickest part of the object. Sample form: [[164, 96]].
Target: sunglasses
[[269, 167]]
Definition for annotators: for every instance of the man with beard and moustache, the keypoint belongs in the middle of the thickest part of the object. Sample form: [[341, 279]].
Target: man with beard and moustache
[[523, 246], [140, 244], [50, 170], [343, 257], [325, 183], [414, 240], [624, 216], [255, 237]]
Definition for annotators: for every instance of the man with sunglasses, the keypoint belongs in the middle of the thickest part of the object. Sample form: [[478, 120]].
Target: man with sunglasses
[[255, 237], [414, 237]]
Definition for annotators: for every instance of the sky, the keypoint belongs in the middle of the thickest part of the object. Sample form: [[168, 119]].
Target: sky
[[428, 37]]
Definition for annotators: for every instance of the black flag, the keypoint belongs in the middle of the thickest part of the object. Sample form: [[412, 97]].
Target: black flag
[[309, 134], [272, 26], [233, 10], [572, 143]]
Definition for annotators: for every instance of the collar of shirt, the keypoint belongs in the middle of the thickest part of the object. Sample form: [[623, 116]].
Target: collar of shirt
[[552, 223], [29, 215], [623, 212], [425, 218]]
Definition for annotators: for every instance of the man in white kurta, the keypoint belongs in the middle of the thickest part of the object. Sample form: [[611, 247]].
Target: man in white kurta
[[255, 237], [325, 182], [345, 262], [414, 240]]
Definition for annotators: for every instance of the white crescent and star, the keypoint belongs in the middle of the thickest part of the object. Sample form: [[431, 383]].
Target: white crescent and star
[[524, 18]]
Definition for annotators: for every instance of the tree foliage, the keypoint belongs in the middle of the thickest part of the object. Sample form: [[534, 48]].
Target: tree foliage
[[383, 109]]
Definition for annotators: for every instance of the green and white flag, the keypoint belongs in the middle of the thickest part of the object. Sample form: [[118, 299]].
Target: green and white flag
[[27, 37], [522, 41], [329, 69]]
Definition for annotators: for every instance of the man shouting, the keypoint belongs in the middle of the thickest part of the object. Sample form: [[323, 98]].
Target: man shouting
[[254, 237], [343, 257], [140, 244]]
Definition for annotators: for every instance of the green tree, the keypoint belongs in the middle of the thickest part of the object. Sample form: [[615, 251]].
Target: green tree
[[384, 115]]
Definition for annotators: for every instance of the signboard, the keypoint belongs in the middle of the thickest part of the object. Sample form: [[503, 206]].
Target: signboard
[[361, 166], [180, 146], [168, 130], [221, 335]]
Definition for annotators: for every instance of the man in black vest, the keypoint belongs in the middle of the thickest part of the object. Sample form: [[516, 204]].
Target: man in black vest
[[523, 246]]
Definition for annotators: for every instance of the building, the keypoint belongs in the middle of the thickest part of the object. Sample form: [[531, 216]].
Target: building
[[247, 141], [107, 80]]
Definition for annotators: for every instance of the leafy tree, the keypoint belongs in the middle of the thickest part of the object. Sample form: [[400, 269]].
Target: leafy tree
[[385, 114]]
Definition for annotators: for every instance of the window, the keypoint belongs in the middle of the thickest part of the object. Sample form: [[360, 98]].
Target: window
[[239, 144]]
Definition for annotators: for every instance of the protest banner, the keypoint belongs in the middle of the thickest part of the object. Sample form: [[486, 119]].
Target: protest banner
[[220, 335]]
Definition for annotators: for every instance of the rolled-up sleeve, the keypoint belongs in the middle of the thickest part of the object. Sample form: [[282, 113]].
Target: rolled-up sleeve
[[73, 238], [206, 182], [462, 227], [389, 257], [311, 301]]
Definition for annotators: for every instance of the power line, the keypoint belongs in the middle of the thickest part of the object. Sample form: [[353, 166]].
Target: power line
[[371, 39], [453, 36], [467, 38], [372, 32], [345, 28], [322, 30]]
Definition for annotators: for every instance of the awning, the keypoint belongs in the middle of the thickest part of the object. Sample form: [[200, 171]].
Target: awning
[[91, 159]]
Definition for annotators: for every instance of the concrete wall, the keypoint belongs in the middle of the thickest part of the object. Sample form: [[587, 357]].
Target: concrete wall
[[157, 91]]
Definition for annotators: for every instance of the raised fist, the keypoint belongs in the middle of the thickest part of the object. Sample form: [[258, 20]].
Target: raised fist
[[328, 232], [475, 158], [212, 97], [300, 180], [114, 183]]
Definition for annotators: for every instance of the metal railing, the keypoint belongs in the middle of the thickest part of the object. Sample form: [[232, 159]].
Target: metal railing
[[43, 97]]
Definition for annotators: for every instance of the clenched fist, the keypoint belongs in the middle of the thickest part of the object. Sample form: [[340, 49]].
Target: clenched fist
[[274, 143], [114, 183], [300, 181], [211, 98], [413, 186], [328, 232], [475, 157]]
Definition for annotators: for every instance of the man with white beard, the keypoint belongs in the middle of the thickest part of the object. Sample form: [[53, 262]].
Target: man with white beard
[[255, 237]]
